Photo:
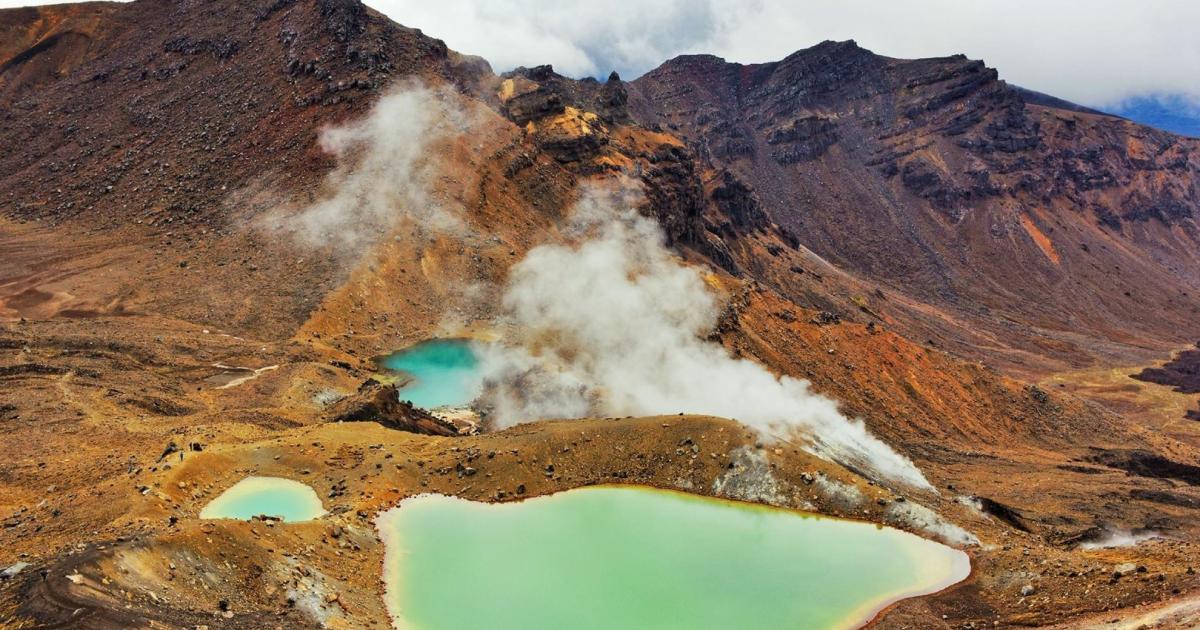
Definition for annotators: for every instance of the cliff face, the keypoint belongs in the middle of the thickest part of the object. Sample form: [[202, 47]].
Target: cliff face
[[1023, 224]]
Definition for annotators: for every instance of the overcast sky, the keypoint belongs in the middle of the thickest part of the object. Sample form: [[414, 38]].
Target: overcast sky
[[1095, 52], [1091, 51]]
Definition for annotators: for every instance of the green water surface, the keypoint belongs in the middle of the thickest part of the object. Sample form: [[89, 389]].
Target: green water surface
[[445, 373], [270, 496], [610, 557]]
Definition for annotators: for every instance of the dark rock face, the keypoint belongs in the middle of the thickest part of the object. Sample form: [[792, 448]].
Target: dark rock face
[[674, 195], [344, 19], [801, 140], [1168, 208], [558, 112], [921, 178], [533, 105], [546, 93], [917, 173], [375, 402], [939, 188], [612, 100], [535, 100], [572, 138], [736, 200], [570, 120]]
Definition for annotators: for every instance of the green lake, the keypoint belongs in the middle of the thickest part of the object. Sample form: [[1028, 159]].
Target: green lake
[[625, 557], [266, 496], [445, 372]]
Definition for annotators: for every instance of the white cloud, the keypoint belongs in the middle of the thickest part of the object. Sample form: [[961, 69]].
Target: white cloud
[[1097, 52], [579, 38]]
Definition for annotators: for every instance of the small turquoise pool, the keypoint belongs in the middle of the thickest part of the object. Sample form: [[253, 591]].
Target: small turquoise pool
[[608, 557], [266, 496], [445, 373]]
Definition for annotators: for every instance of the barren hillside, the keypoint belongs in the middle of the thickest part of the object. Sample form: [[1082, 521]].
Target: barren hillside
[[948, 258]]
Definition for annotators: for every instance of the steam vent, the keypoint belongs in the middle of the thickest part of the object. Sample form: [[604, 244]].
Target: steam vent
[[595, 316]]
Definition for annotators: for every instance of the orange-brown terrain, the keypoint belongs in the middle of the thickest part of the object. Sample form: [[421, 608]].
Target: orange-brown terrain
[[974, 270]]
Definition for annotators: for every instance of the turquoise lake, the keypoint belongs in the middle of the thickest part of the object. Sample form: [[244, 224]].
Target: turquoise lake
[[625, 557], [445, 372], [266, 496]]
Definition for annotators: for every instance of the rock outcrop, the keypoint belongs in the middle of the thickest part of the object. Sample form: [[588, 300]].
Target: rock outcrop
[[376, 402]]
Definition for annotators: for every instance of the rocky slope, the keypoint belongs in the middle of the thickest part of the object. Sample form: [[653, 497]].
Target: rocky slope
[[176, 119], [1028, 231]]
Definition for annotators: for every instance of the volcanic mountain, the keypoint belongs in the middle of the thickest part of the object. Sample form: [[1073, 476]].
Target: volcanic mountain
[[1008, 225], [932, 248]]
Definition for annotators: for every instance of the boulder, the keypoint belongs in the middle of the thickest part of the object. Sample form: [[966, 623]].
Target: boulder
[[12, 570], [1125, 568], [376, 402]]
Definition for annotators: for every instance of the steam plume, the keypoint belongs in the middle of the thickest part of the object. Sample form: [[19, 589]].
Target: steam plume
[[608, 323], [612, 324], [1119, 538], [389, 164]]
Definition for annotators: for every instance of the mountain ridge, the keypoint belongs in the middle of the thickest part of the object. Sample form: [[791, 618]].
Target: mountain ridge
[[945, 134], [913, 238]]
